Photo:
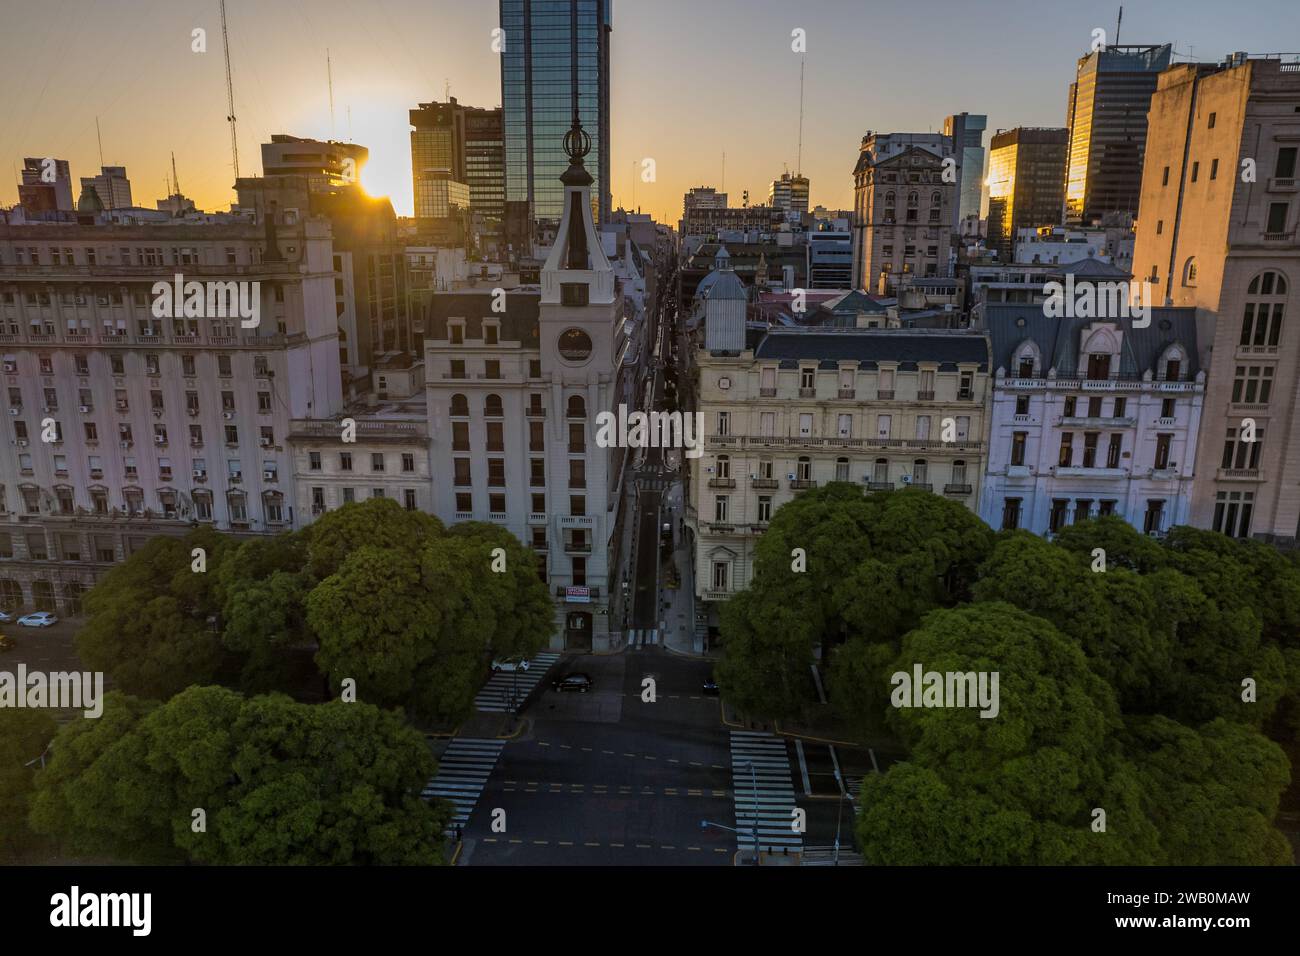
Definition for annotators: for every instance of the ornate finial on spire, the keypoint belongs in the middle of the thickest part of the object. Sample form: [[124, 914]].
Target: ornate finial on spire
[[577, 142]]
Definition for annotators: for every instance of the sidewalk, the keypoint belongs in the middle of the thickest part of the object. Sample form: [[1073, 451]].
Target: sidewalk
[[677, 605]]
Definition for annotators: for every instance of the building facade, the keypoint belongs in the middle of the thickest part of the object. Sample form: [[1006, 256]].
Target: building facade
[[123, 424], [904, 209], [1219, 234], [967, 133], [1026, 183], [1091, 417], [326, 165], [789, 193], [553, 50], [792, 410]]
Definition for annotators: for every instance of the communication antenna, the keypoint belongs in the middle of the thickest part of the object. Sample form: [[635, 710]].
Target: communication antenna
[[1119, 23], [798, 165], [230, 93], [175, 179], [329, 77], [100, 139]]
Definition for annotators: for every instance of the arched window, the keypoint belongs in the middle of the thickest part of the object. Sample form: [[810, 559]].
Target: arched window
[[936, 199], [1171, 364], [459, 405], [803, 472], [912, 200], [492, 406], [1261, 326], [1189, 271], [889, 198], [577, 407], [841, 469]]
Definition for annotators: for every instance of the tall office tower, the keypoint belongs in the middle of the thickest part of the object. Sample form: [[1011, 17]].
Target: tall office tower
[[903, 220], [1218, 232], [112, 187], [1107, 119], [967, 132], [453, 145], [539, 77], [46, 185], [789, 193], [326, 164], [1026, 183]]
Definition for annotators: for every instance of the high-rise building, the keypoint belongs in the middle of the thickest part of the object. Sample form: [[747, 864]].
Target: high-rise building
[[327, 165], [552, 51], [1107, 119], [1026, 183], [112, 187], [1218, 232], [967, 132], [904, 221], [789, 193], [453, 145], [46, 185]]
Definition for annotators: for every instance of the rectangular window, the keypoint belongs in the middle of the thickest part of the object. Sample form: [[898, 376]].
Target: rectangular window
[[1010, 514], [1066, 457], [1018, 447], [1090, 449]]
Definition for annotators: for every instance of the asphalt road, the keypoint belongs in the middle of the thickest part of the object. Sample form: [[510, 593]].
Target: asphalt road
[[611, 778]]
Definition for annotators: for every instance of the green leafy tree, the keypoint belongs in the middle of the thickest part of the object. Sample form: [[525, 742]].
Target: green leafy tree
[[1212, 794], [264, 586], [1018, 787], [153, 621], [1125, 546], [871, 567], [97, 794], [377, 522], [24, 735]]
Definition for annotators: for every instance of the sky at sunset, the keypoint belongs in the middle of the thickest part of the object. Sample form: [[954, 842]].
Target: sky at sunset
[[690, 80]]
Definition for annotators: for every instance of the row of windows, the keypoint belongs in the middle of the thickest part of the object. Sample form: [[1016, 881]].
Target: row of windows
[[378, 462], [152, 364], [170, 503], [126, 434], [128, 255]]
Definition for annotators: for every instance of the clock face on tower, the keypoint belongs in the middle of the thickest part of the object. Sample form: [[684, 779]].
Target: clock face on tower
[[574, 345]]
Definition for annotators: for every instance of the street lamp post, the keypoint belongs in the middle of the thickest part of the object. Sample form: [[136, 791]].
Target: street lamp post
[[753, 812]]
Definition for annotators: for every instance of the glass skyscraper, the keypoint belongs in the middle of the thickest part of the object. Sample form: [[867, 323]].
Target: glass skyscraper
[[537, 102]]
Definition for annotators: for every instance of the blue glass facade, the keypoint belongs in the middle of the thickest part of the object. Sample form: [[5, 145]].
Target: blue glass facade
[[537, 98]]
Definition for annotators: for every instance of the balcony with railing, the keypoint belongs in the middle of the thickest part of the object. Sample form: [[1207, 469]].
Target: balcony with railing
[[957, 489], [722, 482], [761, 483]]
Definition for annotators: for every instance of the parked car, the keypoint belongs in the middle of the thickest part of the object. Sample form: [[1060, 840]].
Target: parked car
[[579, 682], [39, 619], [7, 643], [710, 686], [508, 666], [5, 617]]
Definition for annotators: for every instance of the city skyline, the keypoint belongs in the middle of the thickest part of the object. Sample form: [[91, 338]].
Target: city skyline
[[380, 70]]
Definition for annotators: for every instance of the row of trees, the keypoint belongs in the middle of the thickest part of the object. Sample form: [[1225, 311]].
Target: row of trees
[[406, 609], [409, 610], [1121, 678], [214, 777]]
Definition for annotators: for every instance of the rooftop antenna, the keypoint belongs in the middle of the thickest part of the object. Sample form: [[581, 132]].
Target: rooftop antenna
[[446, 89], [175, 179], [329, 77], [100, 139], [1119, 23], [230, 93], [798, 165]]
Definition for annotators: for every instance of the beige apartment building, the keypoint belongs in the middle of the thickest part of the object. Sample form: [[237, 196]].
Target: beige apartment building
[[1220, 202], [904, 197], [796, 409]]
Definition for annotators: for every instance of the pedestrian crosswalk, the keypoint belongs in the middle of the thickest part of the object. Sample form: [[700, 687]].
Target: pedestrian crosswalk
[[462, 772], [641, 636], [653, 484], [504, 687], [764, 797]]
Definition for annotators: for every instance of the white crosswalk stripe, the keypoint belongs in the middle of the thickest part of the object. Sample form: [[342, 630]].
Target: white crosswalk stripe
[[764, 796], [462, 772], [495, 695], [641, 636]]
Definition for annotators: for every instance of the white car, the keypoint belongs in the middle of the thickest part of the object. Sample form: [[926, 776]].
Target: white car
[[39, 619], [509, 666], [5, 617]]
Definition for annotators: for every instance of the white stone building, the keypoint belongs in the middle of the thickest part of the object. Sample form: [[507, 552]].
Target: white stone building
[[1091, 417]]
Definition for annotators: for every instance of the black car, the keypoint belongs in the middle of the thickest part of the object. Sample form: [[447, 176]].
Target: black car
[[710, 687], [579, 682]]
